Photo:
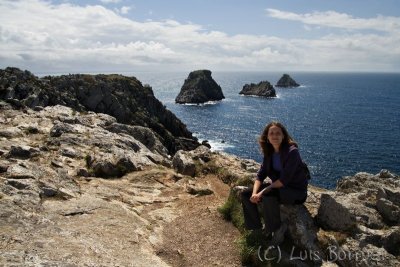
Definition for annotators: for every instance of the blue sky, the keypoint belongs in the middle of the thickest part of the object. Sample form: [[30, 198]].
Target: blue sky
[[122, 35]]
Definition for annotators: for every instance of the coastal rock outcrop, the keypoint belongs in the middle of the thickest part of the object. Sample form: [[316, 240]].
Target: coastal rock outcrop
[[124, 98], [79, 188], [287, 81], [263, 88], [199, 88], [355, 225]]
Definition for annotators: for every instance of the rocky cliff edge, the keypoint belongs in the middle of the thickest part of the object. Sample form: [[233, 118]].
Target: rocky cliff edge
[[124, 98]]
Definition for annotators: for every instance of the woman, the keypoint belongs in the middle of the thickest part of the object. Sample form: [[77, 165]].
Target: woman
[[283, 165]]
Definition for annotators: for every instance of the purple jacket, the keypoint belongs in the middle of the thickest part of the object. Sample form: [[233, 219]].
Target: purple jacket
[[292, 175]]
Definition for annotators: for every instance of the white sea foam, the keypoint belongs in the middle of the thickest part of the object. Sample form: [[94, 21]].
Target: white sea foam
[[219, 145], [202, 104], [216, 145]]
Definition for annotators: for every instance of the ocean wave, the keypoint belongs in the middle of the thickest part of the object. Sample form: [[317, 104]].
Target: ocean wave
[[202, 104], [216, 145], [219, 145]]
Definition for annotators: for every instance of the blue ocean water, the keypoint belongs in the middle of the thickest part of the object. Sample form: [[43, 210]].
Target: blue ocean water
[[344, 123]]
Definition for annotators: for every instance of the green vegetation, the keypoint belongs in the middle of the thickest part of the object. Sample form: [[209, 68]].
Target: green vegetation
[[250, 241], [232, 211]]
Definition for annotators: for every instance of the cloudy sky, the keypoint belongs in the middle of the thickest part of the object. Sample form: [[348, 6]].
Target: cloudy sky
[[70, 36]]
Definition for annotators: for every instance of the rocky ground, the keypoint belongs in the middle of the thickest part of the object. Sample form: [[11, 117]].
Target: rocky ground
[[76, 190], [81, 189]]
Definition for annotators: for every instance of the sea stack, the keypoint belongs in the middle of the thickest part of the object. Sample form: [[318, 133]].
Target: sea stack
[[199, 88], [264, 89], [287, 81]]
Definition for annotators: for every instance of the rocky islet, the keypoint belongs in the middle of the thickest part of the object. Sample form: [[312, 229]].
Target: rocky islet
[[286, 82], [199, 88], [263, 89]]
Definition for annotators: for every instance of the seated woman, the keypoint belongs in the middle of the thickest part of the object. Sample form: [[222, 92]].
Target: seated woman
[[289, 180]]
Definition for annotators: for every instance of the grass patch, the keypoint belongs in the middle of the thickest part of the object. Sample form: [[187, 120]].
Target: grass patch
[[232, 211], [250, 241]]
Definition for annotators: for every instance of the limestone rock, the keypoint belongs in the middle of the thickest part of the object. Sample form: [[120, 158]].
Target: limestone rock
[[388, 210], [199, 88], [22, 152], [111, 167], [198, 190], [58, 129], [263, 88], [202, 153], [11, 132], [386, 174], [334, 215], [287, 81], [392, 241], [183, 163], [145, 135], [22, 171], [301, 228]]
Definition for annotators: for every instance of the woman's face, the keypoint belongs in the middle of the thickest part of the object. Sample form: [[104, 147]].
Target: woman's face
[[275, 136]]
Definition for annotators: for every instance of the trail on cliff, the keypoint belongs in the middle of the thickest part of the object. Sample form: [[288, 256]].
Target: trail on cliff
[[200, 236]]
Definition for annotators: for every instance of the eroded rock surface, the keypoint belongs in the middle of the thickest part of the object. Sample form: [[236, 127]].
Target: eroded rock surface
[[80, 189]]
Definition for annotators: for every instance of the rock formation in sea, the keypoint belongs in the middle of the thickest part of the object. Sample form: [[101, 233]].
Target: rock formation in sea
[[199, 88], [287, 81], [263, 88], [124, 98]]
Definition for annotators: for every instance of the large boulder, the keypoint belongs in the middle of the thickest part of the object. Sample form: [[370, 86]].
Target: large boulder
[[183, 163], [301, 228], [287, 81], [263, 88], [199, 88], [334, 215]]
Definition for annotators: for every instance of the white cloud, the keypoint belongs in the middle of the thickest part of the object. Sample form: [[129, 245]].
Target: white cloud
[[340, 20], [125, 9], [110, 1], [45, 37]]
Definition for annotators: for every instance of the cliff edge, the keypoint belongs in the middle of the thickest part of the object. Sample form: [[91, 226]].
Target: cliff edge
[[124, 98]]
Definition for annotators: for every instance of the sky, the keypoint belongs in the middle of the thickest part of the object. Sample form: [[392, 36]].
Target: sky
[[99, 36]]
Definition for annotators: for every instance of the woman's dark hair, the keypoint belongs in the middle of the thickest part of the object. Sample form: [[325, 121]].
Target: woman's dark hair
[[266, 148]]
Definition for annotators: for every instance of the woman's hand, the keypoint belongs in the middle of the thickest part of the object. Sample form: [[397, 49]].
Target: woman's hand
[[255, 198]]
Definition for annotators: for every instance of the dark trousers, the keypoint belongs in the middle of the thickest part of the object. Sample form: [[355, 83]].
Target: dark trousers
[[270, 206]]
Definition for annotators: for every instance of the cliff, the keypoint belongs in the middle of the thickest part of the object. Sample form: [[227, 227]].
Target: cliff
[[199, 88], [124, 98]]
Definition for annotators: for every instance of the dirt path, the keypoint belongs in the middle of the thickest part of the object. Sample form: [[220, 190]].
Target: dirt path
[[200, 236]]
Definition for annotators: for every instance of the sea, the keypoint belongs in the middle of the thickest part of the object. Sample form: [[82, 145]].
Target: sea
[[344, 123]]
